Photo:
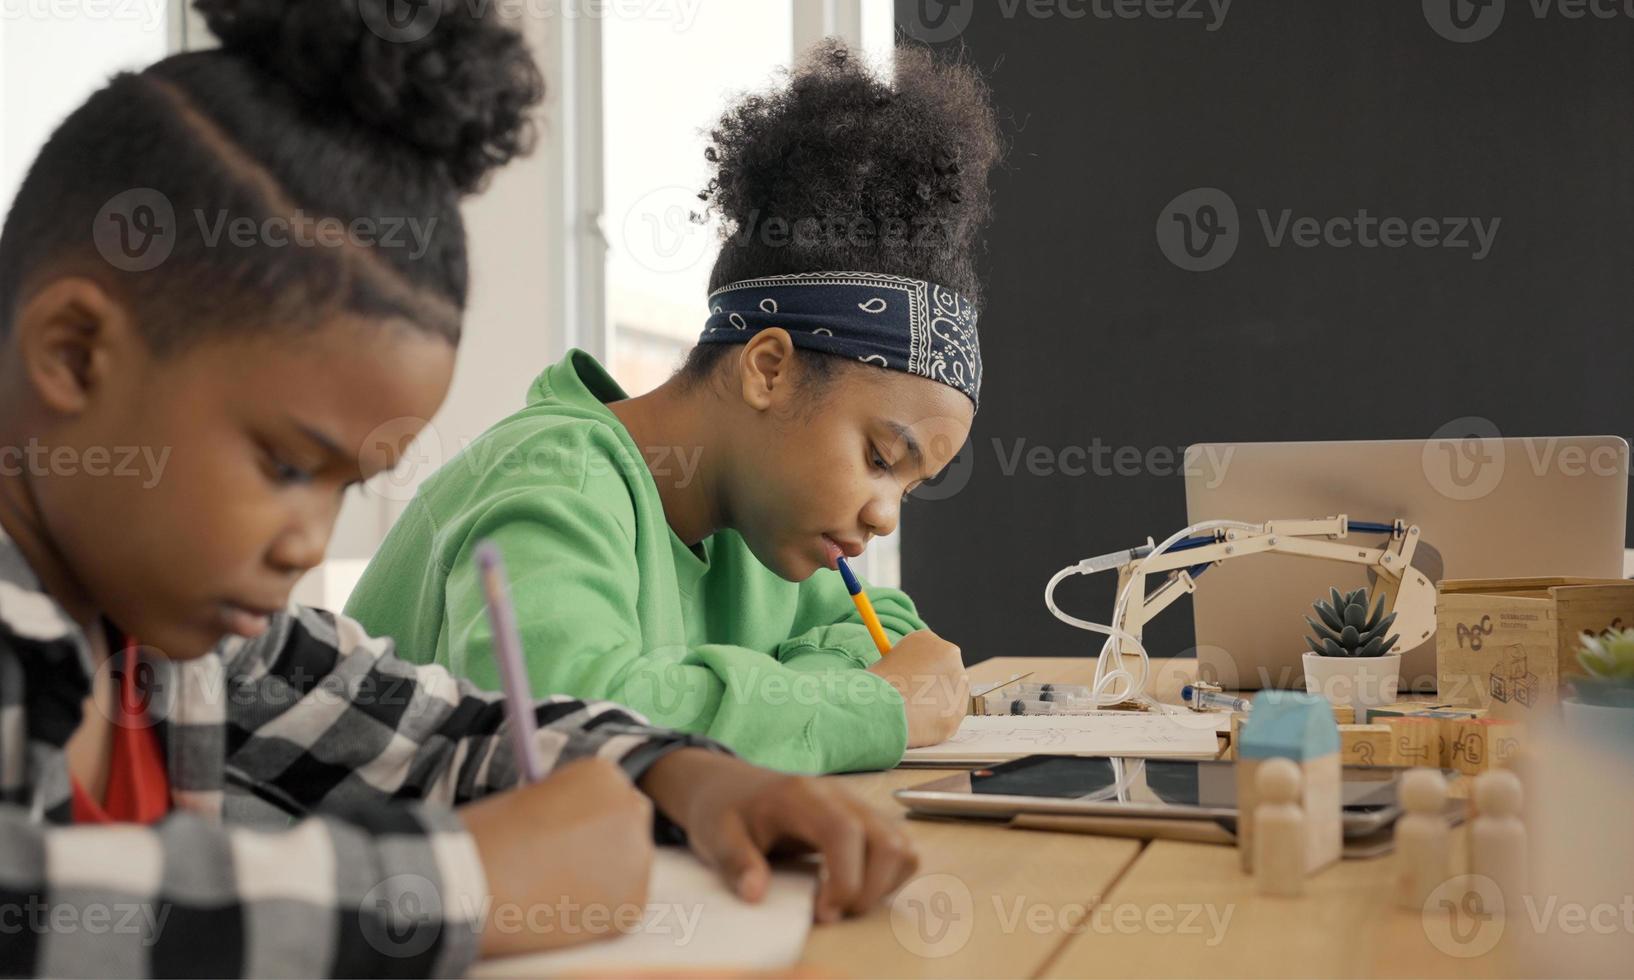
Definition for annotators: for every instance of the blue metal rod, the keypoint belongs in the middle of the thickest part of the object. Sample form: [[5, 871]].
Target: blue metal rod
[[1373, 527], [1195, 542]]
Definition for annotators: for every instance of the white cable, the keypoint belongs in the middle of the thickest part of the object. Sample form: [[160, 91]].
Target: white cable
[[1105, 690], [1101, 691]]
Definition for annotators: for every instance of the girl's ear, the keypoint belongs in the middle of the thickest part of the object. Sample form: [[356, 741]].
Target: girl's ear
[[71, 336], [765, 368]]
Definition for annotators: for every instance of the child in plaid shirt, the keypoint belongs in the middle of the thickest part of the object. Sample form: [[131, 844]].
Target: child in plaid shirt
[[205, 328]]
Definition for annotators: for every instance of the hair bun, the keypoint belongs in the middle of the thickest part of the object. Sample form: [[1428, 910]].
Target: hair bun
[[444, 76], [886, 170]]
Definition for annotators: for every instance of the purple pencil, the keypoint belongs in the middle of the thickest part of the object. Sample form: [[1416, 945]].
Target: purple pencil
[[519, 704]]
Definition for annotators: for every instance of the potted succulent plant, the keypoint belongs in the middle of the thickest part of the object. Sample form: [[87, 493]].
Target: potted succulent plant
[[1350, 662], [1604, 702]]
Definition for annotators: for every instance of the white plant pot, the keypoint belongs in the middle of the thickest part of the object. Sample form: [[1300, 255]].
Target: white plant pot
[[1357, 682], [1598, 722]]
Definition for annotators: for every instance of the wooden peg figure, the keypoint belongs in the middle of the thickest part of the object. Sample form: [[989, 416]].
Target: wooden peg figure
[[1423, 837], [1298, 727], [1497, 837], [1279, 829]]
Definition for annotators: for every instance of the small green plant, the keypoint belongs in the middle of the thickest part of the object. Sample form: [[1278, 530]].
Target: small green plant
[[1609, 655], [1609, 660], [1346, 629]]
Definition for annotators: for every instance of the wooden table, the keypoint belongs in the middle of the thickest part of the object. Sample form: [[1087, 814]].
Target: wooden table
[[992, 901]]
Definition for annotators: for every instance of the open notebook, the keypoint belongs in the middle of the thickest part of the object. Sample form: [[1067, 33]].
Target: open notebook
[[693, 923], [996, 738]]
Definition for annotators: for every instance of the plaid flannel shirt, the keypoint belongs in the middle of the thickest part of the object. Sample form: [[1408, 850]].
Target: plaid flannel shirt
[[313, 775]]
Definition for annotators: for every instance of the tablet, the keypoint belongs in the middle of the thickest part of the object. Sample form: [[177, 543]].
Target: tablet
[[1125, 786]]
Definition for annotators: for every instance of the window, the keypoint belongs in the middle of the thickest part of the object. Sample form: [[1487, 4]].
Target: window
[[665, 80], [664, 84]]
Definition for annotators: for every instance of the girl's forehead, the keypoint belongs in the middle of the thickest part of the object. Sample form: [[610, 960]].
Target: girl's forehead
[[916, 402]]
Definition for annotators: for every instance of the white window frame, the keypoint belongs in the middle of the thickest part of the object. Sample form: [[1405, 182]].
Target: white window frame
[[581, 148], [583, 303], [579, 155], [187, 29], [817, 19]]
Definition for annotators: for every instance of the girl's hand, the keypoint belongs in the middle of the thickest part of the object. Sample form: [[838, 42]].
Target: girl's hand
[[929, 673], [735, 814]]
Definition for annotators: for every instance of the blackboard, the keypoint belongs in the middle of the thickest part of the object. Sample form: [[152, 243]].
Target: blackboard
[[1517, 114]]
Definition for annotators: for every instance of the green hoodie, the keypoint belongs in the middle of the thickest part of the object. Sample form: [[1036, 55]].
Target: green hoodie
[[612, 605]]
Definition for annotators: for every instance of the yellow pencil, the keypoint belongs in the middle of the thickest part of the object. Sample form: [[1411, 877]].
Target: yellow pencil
[[864, 607]]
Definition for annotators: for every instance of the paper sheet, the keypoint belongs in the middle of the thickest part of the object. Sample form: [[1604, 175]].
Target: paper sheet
[[693, 922], [995, 738]]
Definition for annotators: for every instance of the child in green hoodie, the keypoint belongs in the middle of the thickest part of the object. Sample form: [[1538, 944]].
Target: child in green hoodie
[[675, 551]]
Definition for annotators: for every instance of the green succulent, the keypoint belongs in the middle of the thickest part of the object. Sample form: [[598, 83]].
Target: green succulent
[[1609, 655], [1344, 627], [1609, 660]]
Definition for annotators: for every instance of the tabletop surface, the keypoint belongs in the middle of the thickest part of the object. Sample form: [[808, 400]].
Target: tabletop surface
[[994, 901]]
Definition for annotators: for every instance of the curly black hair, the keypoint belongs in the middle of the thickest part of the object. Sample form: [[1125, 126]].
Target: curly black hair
[[842, 169], [312, 113]]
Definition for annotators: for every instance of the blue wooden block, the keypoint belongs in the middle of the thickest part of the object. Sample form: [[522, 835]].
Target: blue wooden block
[[1289, 725]]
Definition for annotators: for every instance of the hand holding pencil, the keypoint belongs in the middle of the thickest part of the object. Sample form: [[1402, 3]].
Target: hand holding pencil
[[929, 673], [733, 813], [925, 669]]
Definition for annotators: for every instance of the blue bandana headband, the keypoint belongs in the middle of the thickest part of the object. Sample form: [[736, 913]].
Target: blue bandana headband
[[895, 322]]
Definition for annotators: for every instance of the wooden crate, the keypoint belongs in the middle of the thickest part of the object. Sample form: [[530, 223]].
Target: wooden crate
[[1507, 645]]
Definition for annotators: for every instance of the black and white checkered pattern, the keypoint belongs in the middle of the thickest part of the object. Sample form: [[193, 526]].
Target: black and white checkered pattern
[[313, 774]]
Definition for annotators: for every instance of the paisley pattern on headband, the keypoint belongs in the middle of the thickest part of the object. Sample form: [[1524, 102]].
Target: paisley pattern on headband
[[895, 322]]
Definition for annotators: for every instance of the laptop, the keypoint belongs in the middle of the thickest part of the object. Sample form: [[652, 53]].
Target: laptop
[[1487, 507]]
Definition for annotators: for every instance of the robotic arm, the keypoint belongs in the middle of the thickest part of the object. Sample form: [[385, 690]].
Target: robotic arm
[[1184, 556]]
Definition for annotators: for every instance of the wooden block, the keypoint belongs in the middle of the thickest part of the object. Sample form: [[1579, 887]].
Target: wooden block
[[1359, 745], [1366, 745], [1481, 744], [1445, 719], [1415, 741], [1246, 772], [1324, 830], [1319, 799], [1342, 715], [1237, 719], [1300, 727]]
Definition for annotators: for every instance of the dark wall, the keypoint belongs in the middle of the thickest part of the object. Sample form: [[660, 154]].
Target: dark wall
[[1094, 338]]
